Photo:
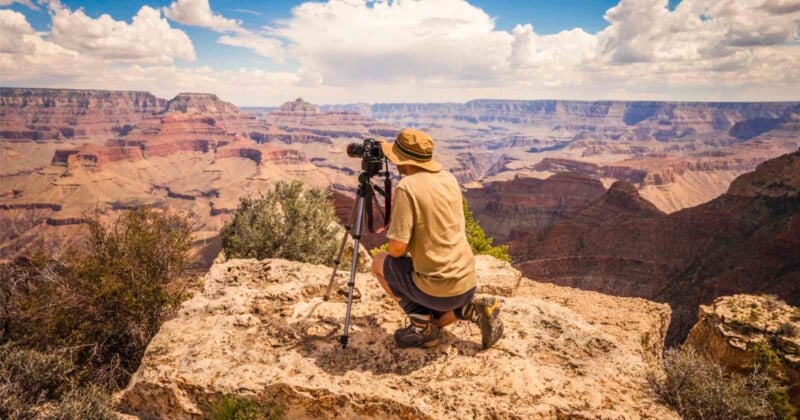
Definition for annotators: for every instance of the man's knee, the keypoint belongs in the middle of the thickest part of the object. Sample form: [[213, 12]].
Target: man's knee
[[377, 263]]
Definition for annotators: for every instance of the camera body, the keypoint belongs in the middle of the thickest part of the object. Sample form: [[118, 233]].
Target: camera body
[[371, 155]]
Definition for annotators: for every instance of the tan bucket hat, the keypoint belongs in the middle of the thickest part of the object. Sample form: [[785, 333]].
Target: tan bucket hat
[[413, 147]]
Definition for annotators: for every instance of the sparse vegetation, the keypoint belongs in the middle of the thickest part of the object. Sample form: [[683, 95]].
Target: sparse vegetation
[[767, 361], [289, 222], [787, 329], [755, 314], [699, 388], [76, 327], [46, 386], [107, 299], [233, 407], [476, 237]]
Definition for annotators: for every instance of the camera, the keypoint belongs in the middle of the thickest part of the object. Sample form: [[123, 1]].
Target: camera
[[371, 155]]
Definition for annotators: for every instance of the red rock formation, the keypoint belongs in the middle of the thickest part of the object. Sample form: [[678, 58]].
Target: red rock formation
[[297, 108], [622, 173], [65, 114], [301, 118], [745, 241], [525, 204]]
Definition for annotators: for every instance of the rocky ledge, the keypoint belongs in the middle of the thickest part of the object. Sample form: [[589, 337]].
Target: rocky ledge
[[733, 327], [261, 329]]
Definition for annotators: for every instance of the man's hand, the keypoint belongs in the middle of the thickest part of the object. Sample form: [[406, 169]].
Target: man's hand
[[396, 248]]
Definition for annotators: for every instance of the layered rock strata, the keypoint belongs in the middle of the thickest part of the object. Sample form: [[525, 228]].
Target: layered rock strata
[[745, 241], [526, 203]]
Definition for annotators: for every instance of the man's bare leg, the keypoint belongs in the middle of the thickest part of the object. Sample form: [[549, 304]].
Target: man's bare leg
[[377, 270]]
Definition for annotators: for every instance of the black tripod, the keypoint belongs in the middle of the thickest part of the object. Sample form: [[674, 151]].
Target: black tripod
[[361, 209]]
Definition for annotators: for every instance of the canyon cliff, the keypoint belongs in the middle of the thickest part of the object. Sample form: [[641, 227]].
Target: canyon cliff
[[745, 241], [260, 329], [677, 154], [190, 154], [511, 208]]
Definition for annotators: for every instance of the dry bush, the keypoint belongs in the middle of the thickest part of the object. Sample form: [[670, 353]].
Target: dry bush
[[701, 389], [45, 386], [105, 301], [235, 407], [288, 222]]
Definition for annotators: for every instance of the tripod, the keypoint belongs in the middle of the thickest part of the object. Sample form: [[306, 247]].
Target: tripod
[[361, 209]]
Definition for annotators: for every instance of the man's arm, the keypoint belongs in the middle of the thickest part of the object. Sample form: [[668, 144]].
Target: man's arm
[[396, 248]]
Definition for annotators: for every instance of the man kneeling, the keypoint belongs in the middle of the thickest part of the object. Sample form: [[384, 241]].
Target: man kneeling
[[436, 284]]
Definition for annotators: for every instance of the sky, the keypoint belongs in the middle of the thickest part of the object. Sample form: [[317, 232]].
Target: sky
[[262, 53]]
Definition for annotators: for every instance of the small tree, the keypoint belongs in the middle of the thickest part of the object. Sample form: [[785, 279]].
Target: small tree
[[480, 243], [289, 222]]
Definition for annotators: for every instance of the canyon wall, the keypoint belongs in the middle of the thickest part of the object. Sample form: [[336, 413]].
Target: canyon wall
[[745, 241], [678, 154]]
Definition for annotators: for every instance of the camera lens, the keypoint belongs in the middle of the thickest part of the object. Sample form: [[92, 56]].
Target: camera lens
[[355, 150]]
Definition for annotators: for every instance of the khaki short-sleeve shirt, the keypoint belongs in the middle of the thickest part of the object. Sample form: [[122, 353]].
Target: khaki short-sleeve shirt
[[428, 215]]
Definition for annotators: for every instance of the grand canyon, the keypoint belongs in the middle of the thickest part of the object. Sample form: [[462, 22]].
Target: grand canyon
[[175, 183], [679, 203], [526, 166]]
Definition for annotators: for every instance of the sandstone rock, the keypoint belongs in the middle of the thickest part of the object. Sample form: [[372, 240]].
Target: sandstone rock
[[728, 329], [261, 328]]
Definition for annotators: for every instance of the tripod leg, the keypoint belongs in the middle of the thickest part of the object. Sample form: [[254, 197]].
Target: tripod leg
[[359, 222], [339, 254]]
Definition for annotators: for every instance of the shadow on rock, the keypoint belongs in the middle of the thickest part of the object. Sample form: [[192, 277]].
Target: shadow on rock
[[371, 348]]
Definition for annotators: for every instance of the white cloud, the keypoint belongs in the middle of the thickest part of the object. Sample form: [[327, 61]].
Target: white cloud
[[410, 42], [15, 28], [147, 39], [27, 57], [263, 46], [27, 3], [198, 13], [439, 50], [248, 12]]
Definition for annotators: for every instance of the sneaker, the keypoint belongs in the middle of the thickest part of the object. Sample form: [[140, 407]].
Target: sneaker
[[485, 312], [420, 332]]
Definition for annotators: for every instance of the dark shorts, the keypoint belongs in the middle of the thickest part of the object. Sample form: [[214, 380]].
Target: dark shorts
[[398, 274]]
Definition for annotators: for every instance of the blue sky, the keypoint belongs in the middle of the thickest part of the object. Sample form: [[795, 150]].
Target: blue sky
[[547, 17], [261, 52]]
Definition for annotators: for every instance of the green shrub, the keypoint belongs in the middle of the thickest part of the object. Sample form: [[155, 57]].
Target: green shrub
[[377, 249], [698, 388], [476, 237], [288, 222], [45, 386], [106, 299], [768, 361], [234, 407]]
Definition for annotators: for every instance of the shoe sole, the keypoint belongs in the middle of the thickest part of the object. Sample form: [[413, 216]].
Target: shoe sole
[[491, 325], [425, 345]]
